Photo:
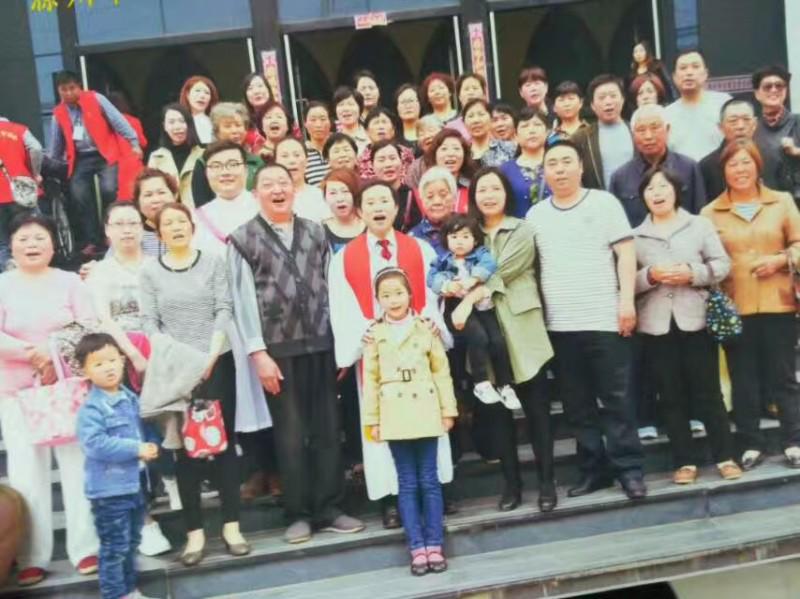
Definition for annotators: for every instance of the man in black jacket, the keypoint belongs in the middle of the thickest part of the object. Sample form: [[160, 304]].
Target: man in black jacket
[[737, 121]]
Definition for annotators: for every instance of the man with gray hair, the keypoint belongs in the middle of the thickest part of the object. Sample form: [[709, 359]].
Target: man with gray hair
[[650, 134]]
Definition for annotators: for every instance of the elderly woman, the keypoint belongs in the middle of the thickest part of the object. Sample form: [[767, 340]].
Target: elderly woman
[[515, 294], [381, 124], [37, 300], [485, 149], [450, 150], [340, 152], [427, 129], [437, 192], [526, 171], [229, 121], [199, 95], [179, 149], [185, 295], [760, 229], [678, 256]]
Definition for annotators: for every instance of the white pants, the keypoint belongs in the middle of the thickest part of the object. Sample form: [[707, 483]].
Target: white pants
[[29, 472]]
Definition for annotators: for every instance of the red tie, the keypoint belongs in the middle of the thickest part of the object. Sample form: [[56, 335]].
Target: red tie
[[386, 254]]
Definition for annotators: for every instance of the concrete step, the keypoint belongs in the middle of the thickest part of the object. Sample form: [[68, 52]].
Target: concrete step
[[476, 531]]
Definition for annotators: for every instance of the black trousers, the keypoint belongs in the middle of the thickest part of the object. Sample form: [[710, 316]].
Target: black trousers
[[347, 390], [640, 387], [685, 369], [487, 345], [762, 359], [498, 422], [592, 365], [305, 417], [223, 469]]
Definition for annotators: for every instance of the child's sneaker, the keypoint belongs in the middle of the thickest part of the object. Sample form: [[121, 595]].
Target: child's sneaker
[[153, 540], [486, 393], [509, 398]]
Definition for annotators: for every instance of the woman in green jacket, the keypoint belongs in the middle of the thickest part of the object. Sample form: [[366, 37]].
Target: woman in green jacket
[[515, 295]]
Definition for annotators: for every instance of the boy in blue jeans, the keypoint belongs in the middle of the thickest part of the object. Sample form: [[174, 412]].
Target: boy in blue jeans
[[109, 430]]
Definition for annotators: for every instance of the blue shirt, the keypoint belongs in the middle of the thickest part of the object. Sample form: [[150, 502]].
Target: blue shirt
[[431, 233], [528, 185]]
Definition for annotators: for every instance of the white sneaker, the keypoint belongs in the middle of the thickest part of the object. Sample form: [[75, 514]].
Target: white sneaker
[[171, 487], [648, 433], [697, 427], [153, 540], [509, 398], [486, 393]]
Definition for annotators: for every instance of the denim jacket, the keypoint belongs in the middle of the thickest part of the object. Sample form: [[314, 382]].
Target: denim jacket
[[479, 263], [109, 430]]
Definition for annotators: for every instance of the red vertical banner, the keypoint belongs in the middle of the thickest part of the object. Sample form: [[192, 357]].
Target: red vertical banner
[[269, 66], [477, 49]]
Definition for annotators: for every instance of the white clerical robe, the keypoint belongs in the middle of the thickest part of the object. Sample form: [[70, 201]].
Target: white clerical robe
[[349, 325]]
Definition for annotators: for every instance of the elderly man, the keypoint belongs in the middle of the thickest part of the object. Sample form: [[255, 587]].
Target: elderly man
[[590, 317], [278, 263], [694, 116], [650, 134], [778, 132], [737, 122], [606, 145]]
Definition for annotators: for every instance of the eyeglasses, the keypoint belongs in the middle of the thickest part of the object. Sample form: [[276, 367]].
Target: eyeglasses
[[126, 224], [778, 86], [218, 167]]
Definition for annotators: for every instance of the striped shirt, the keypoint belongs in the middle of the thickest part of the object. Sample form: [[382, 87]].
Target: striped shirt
[[316, 167], [578, 269]]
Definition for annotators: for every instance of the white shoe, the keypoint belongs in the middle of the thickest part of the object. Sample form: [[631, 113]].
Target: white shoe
[[648, 433], [697, 427], [509, 398], [486, 393], [153, 540], [171, 487], [137, 594]]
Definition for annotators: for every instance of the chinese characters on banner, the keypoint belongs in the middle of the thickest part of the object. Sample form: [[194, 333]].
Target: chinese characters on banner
[[269, 66], [370, 20], [477, 49]]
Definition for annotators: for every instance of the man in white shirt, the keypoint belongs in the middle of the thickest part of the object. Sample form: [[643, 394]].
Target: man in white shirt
[[694, 117], [588, 268]]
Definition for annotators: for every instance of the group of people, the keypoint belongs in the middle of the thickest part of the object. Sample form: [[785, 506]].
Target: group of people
[[379, 272]]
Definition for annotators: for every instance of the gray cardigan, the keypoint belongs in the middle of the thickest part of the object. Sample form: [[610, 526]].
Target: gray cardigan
[[695, 242]]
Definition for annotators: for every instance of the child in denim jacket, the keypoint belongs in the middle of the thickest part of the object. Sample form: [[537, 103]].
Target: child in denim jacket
[[466, 265], [109, 430]]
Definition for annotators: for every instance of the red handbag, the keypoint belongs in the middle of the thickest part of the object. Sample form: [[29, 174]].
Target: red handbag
[[204, 429]]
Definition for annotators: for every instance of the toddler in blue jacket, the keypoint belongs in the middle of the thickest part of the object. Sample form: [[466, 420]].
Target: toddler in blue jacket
[[109, 430]]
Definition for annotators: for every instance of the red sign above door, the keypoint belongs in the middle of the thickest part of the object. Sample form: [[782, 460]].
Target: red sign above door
[[370, 19]]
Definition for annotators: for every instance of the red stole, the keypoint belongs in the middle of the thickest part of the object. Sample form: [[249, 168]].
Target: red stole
[[357, 271]]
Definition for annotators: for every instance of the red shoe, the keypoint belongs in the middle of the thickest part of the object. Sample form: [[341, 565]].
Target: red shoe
[[88, 565], [30, 576]]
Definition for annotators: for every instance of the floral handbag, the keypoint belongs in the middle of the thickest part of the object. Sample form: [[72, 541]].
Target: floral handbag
[[723, 322], [203, 429]]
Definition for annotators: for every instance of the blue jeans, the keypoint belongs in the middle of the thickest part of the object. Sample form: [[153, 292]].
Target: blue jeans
[[83, 213], [418, 479], [118, 521]]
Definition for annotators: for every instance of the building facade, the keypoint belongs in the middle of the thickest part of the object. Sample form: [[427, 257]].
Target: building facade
[[147, 48]]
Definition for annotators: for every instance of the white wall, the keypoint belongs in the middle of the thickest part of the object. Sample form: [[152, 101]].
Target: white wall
[[792, 12]]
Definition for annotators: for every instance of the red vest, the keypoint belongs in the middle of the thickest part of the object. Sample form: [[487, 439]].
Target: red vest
[[130, 165], [358, 273], [97, 127], [13, 155]]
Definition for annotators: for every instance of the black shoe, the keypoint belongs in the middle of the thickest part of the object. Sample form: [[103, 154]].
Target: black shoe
[[510, 500], [633, 485], [548, 500], [391, 517], [450, 507], [589, 484]]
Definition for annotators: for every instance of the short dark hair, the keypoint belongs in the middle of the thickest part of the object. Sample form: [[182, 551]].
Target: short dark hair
[[270, 106], [604, 79], [377, 111], [531, 73], [506, 108], [317, 104], [364, 73], [270, 165], [382, 144], [470, 75], [426, 83], [118, 205], [671, 178], [289, 139], [457, 222], [334, 139], [391, 272], [403, 88], [152, 173], [567, 87], [686, 52], [468, 168], [343, 92], [172, 206], [473, 186], [731, 102], [773, 70], [93, 342], [191, 132], [25, 219], [375, 183], [65, 77], [527, 113], [221, 146], [474, 102], [562, 142]]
